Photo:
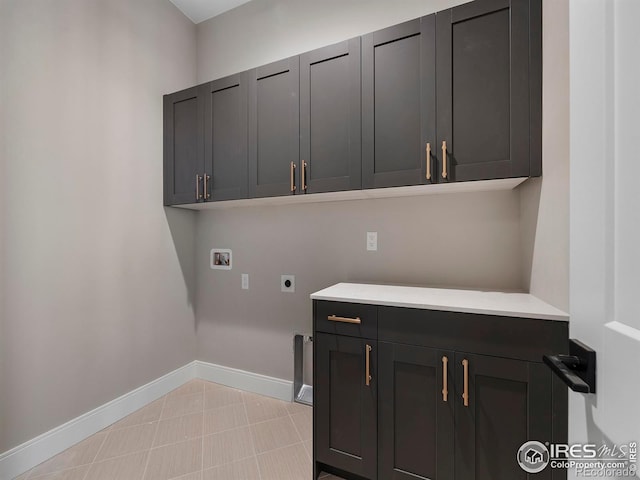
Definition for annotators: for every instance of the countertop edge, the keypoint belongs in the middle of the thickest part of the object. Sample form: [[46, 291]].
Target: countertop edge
[[445, 308]]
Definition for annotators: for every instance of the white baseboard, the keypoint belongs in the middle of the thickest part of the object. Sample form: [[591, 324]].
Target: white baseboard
[[33, 452], [24, 457], [243, 380]]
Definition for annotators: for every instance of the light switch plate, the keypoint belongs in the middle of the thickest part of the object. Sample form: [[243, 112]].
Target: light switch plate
[[245, 281], [372, 241]]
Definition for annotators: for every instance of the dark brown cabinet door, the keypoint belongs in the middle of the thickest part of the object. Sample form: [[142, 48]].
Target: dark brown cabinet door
[[345, 429], [183, 147], [489, 96], [274, 127], [330, 118], [415, 413], [509, 403], [398, 104], [225, 137]]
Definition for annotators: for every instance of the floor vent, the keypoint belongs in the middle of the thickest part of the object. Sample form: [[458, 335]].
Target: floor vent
[[302, 392]]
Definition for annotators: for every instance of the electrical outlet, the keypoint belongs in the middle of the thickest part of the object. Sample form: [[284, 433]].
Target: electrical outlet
[[245, 281], [372, 241], [288, 283]]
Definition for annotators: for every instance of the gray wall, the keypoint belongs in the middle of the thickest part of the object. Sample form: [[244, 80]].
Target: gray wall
[[464, 240], [96, 276], [263, 31], [2, 233], [545, 201], [97, 280], [502, 240]]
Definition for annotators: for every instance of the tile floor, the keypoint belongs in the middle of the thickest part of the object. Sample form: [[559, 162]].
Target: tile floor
[[200, 431]]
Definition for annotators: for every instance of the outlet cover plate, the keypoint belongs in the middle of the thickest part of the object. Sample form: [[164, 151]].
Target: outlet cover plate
[[372, 241], [291, 288]]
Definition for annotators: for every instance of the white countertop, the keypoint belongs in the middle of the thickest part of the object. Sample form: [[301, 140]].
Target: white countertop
[[523, 305]]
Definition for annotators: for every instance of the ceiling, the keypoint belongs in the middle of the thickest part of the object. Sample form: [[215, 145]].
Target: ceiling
[[201, 10]]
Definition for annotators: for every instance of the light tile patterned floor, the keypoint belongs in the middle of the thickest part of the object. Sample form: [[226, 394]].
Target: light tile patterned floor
[[200, 431]]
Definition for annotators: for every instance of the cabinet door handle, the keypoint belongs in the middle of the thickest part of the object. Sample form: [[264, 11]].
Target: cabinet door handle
[[465, 393], [444, 159], [445, 380], [198, 196], [303, 176], [292, 173], [367, 379], [207, 195], [334, 318], [428, 161]]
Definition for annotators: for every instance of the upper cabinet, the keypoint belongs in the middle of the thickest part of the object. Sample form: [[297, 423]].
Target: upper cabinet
[[451, 97], [274, 129], [330, 118], [399, 104], [205, 142], [183, 155], [225, 137], [488, 68]]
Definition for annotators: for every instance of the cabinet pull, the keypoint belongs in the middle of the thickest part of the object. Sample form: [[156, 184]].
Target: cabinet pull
[[428, 161], [198, 196], [207, 195], [335, 318], [444, 159], [445, 380], [292, 173], [465, 393], [368, 377], [303, 176]]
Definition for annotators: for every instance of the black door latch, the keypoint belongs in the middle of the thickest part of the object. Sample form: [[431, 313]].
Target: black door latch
[[578, 369]]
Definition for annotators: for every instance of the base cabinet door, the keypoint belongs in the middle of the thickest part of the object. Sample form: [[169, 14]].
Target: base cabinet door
[[415, 413], [345, 404], [499, 405]]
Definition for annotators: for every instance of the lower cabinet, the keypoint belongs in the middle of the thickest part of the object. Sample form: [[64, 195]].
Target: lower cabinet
[[438, 422], [430, 413], [508, 403], [345, 429], [415, 413]]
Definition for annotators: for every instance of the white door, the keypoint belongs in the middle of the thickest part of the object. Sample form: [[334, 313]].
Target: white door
[[605, 215]]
